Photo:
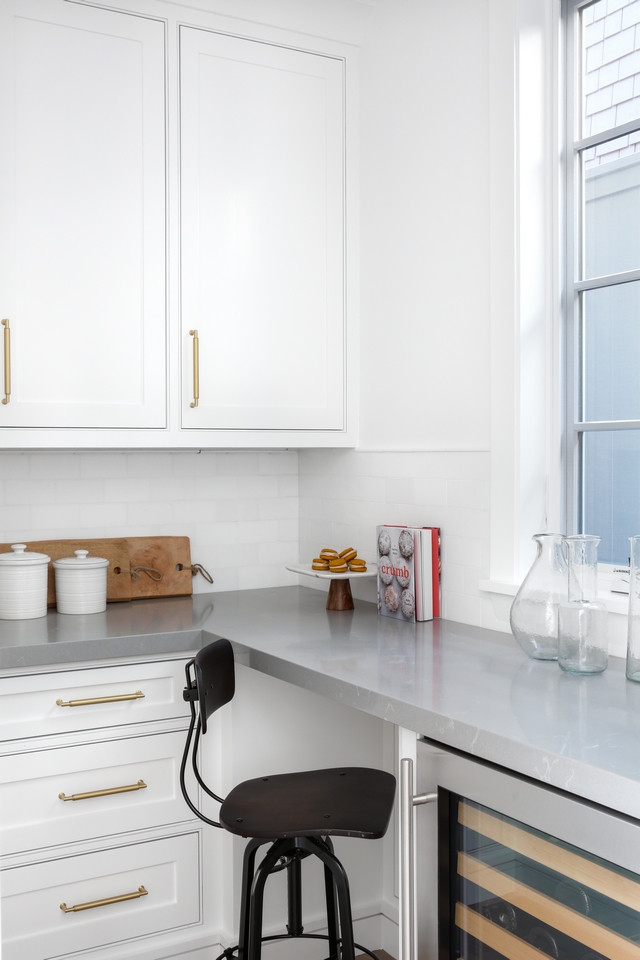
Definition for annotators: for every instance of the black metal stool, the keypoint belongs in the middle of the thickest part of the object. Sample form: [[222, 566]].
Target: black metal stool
[[297, 813]]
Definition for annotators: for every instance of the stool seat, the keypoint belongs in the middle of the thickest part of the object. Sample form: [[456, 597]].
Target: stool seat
[[341, 801]]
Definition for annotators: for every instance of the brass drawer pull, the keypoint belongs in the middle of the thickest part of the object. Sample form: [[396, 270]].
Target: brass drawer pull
[[196, 367], [129, 788], [140, 892], [86, 703], [7, 361]]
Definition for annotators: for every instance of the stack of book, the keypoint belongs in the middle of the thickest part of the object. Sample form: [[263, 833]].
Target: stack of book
[[408, 572]]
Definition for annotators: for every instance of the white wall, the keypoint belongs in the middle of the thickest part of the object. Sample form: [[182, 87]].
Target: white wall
[[239, 509], [424, 198]]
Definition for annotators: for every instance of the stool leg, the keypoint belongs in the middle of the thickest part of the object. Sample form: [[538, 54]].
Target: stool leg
[[332, 915], [248, 870], [342, 885], [254, 940], [332, 906], [294, 897]]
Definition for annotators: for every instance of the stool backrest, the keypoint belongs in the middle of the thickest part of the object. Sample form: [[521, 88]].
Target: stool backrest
[[215, 678]]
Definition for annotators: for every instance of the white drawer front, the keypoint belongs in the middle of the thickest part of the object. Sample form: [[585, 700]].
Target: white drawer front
[[29, 708], [32, 814], [34, 927]]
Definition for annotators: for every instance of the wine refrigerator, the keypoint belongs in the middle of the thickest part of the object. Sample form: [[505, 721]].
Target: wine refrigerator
[[507, 868]]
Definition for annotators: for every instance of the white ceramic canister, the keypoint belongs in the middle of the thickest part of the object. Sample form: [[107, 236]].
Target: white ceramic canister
[[23, 584], [81, 583]]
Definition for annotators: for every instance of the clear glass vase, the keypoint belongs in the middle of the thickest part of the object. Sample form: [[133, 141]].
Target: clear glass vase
[[582, 620], [534, 612], [633, 624]]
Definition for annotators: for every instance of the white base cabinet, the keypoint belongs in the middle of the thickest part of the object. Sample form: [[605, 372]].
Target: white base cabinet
[[161, 179], [98, 850]]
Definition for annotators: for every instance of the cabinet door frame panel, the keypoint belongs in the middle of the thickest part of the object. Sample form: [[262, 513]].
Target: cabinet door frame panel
[[320, 402], [146, 404]]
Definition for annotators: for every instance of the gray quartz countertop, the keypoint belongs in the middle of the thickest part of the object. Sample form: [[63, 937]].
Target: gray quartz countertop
[[465, 687]]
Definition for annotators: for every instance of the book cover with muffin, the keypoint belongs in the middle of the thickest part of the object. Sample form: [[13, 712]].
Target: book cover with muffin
[[396, 580], [408, 572]]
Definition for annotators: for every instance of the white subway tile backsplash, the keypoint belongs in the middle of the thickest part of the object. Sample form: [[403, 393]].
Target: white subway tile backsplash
[[149, 514], [248, 514], [280, 553], [149, 464], [172, 488], [76, 491], [29, 491], [399, 490], [288, 485], [432, 493], [237, 464], [278, 508], [53, 466], [289, 530], [279, 463], [15, 522], [101, 465], [464, 550], [103, 517], [212, 497], [60, 516], [126, 490], [464, 609], [465, 493]]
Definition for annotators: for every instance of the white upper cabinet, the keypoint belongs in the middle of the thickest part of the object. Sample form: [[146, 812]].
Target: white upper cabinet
[[262, 232], [82, 216]]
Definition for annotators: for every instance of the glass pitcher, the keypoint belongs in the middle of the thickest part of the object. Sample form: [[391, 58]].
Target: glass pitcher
[[534, 612], [582, 619]]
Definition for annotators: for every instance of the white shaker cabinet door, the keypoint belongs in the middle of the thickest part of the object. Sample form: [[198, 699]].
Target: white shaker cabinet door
[[82, 215], [262, 234]]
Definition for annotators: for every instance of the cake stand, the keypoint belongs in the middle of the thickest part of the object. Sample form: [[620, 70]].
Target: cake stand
[[340, 589]]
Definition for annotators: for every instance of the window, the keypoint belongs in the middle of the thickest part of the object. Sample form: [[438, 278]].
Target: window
[[603, 271]]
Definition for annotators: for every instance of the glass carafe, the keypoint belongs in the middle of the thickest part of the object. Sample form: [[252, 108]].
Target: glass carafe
[[633, 626], [582, 620], [534, 612]]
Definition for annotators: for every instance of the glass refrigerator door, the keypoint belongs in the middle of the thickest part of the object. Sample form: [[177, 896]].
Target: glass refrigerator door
[[521, 894]]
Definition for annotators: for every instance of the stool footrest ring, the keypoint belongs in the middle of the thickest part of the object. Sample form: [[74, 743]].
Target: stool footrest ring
[[228, 954]]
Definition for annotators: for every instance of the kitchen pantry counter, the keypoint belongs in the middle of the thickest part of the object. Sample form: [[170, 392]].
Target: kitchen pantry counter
[[467, 688]]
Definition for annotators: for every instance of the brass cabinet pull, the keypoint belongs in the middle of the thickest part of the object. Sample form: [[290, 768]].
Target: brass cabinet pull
[[140, 892], [86, 703], [129, 788], [196, 368], [7, 361]]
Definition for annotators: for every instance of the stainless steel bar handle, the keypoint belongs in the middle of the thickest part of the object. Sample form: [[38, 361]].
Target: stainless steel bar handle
[[7, 362], [407, 866]]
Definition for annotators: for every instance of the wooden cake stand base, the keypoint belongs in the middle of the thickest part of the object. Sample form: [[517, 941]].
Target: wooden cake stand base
[[339, 597]]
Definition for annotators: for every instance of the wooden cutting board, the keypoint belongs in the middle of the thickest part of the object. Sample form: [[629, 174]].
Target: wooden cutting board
[[167, 561], [170, 556], [115, 551]]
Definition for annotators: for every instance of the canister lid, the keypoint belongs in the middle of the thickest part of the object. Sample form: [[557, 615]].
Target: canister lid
[[22, 556], [82, 560]]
